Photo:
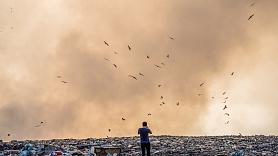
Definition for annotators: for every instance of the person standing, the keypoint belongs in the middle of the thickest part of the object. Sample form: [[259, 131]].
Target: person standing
[[144, 138]]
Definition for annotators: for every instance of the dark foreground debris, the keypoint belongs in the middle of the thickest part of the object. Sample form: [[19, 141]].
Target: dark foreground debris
[[231, 145]]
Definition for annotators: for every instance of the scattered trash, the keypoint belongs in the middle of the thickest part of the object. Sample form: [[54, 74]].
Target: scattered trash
[[233, 145]]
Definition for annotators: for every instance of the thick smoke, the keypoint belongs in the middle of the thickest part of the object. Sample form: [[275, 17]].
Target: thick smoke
[[211, 40]]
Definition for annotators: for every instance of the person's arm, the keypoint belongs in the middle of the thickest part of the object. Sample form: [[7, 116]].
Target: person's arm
[[139, 131], [150, 131]]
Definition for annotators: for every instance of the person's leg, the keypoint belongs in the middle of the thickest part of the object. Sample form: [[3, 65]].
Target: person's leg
[[148, 146], [143, 149]]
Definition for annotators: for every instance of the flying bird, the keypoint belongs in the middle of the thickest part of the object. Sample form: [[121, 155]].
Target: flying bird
[[224, 101], [178, 103], [132, 77], [148, 56], [109, 130], [159, 85], [201, 84], [59, 76], [227, 122], [157, 66], [115, 52], [37, 126], [163, 63], [115, 65], [11, 9], [141, 74], [168, 56], [160, 104], [212, 97], [232, 73], [225, 107], [129, 47], [227, 114], [64, 81], [149, 114], [226, 98], [9, 134], [250, 17], [224, 93], [106, 43], [106, 59], [161, 97], [163, 103], [199, 94], [12, 27], [252, 4], [171, 38], [123, 119]]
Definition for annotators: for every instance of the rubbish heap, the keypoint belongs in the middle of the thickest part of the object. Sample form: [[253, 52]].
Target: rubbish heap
[[229, 145]]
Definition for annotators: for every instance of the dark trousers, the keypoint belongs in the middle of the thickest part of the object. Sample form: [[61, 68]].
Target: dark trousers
[[146, 146]]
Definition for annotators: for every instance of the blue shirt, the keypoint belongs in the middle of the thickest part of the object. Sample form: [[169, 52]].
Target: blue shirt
[[144, 135]]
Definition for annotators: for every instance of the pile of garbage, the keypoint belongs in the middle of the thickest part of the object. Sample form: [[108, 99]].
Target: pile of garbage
[[230, 145]]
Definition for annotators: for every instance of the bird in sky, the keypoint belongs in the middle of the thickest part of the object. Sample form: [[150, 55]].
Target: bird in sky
[[171, 38], [163, 103], [224, 101], [199, 94], [12, 27], [159, 85], [106, 43], [160, 104], [232, 73], [64, 81], [115, 52], [201, 84], [224, 93], [225, 107], [250, 17], [157, 66], [141, 74], [123, 119], [178, 103], [161, 97], [149, 114], [132, 77], [227, 122], [168, 56], [148, 56], [106, 59], [129, 47], [109, 130], [163, 63], [59, 76], [9, 134], [226, 98], [212, 97], [252, 4], [39, 124], [115, 65], [227, 114], [11, 9], [240, 134]]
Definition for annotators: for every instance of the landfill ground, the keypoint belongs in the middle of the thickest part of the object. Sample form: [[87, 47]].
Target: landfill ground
[[230, 145]]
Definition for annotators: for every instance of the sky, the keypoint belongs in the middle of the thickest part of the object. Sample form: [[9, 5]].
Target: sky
[[178, 44]]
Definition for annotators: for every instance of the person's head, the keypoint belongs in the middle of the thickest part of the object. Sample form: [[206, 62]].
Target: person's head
[[144, 123]]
